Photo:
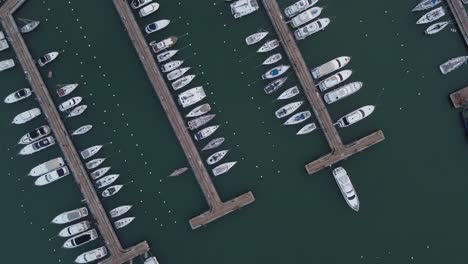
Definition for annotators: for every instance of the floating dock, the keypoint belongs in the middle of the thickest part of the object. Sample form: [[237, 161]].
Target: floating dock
[[461, 17], [460, 98], [339, 151], [218, 208], [117, 255]]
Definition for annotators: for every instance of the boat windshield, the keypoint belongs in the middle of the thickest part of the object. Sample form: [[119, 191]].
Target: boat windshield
[[43, 59], [152, 26], [21, 93], [82, 239]]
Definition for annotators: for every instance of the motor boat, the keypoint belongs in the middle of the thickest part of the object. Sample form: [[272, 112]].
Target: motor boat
[[200, 121], [346, 188], [436, 28], [118, 211], [148, 9], [175, 74], [255, 37], [70, 103], [272, 59], [75, 229], [70, 216], [30, 26], [7, 64], [162, 57], [52, 176], [81, 239], [151, 260], [216, 157], [311, 28], [135, 4], [342, 92], [26, 116], [91, 151], [306, 16], [157, 25], [268, 46], [288, 109], [92, 164], [170, 66], [426, 4], [164, 44], [46, 167], [95, 254], [46, 59], [35, 135], [37, 146], [334, 80], [18, 96], [223, 168], [121, 223], [191, 96], [330, 67], [182, 82], [106, 180], [298, 118], [431, 16], [289, 93], [66, 89], [214, 143], [275, 72], [199, 110], [206, 132], [82, 130], [274, 85], [77, 111], [99, 173], [112, 190], [355, 116], [453, 64], [298, 7], [307, 129], [242, 8]]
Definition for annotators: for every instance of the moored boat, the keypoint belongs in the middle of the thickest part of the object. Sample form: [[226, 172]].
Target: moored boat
[[92, 164], [70, 103], [30, 26], [37, 146], [306, 16], [334, 80], [182, 82], [242, 8], [436, 27], [112, 190], [74, 229], [330, 67], [48, 58], [91, 151], [164, 44], [288, 109], [346, 188], [274, 85], [118, 211], [199, 110], [107, 180], [452, 64], [121, 223], [342, 92], [35, 134], [175, 74], [26, 116], [99, 172], [272, 59], [162, 57], [46, 167], [275, 72], [256, 37], [298, 7], [206, 132], [200, 121], [77, 111], [268, 46], [148, 9], [311, 28], [307, 129], [355, 116], [92, 255], [223, 168], [426, 4], [216, 157], [18, 96], [82, 130], [157, 25], [191, 96], [70, 216], [178, 172], [298, 118], [81, 239], [135, 4], [170, 66], [7, 64], [289, 93], [66, 89], [432, 15], [52, 176], [214, 143]]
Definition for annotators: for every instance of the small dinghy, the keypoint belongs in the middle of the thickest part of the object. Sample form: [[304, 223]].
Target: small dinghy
[[82, 130], [223, 168], [121, 223], [436, 28], [289, 93], [307, 129], [26, 116], [275, 72], [91, 151], [334, 80], [255, 38], [48, 58], [70, 103], [175, 74], [206, 132], [216, 157], [162, 57], [70, 216], [274, 85], [30, 26], [182, 82], [34, 135], [110, 191], [272, 59], [170, 66], [118, 211], [199, 110], [107, 180], [75, 229], [92, 255], [288, 109], [268, 46], [66, 89], [200, 121], [431, 16], [18, 96], [92, 164], [99, 173], [214, 143], [298, 118], [77, 111]]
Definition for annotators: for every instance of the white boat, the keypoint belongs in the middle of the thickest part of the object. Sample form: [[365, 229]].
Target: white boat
[[330, 67], [214, 143], [346, 188], [66, 89], [7, 64], [306, 16], [151, 260], [35, 134], [275, 72], [164, 44], [255, 37], [26, 116], [216, 157], [182, 82], [274, 85], [298, 7], [77, 111], [453, 64], [95, 254], [355, 116], [46, 59], [91, 151], [170, 66], [70, 216], [288, 109], [46, 167], [289, 93], [52, 176], [70, 103], [200, 121], [191, 96], [148, 9], [99, 172], [307, 129], [223, 168], [37, 146], [111, 190], [199, 110], [92, 164], [32, 25], [298, 118], [162, 57], [74, 229], [4, 44], [175, 74], [139, 3], [18, 96], [81, 239], [272, 59], [121, 223], [436, 28], [432, 15], [82, 130], [426, 4], [268, 46], [311, 28], [334, 80], [118, 211], [206, 132], [242, 8], [107, 180], [342, 92], [157, 25]]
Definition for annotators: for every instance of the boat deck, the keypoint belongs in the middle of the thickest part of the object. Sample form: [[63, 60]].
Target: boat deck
[[339, 151], [460, 98], [461, 17], [218, 208], [118, 255]]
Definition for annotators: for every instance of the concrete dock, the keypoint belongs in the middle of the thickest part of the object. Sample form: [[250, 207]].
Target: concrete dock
[[461, 17], [339, 151], [117, 255], [218, 208], [460, 98]]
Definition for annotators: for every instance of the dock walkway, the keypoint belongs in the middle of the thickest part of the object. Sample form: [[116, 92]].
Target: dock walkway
[[339, 151], [118, 255], [218, 208], [461, 17]]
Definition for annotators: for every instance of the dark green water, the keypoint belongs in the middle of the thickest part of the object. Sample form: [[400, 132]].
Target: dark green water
[[411, 186]]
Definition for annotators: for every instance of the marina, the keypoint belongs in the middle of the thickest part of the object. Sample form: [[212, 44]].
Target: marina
[[461, 17]]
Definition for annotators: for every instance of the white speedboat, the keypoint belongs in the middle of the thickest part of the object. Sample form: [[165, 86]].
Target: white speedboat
[[453, 64], [81, 239], [26, 116], [182, 82], [70, 103], [298, 118], [112, 190], [91, 151], [99, 172], [121, 223], [30, 26], [274, 85], [157, 25], [289, 93], [175, 74], [18, 96], [242, 8], [37, 146], [311, 28], [255, 37], [214, 143], [7, 64], [436, 28], [82, 130], [223, 168], [107, 180], [4, 44], [334, 80], [118, 211], [426, 4], [92, 164], [298, 7], [288, 109], [162, 57], [35, 134], [92, 255], [268, 46], [66, 89], [170, 66], [330, 67], [355, 116], [191, 96], [46, 59], [74, 229], [206, 132], [216, 157], [199, 110], [70, 216], [200, 121], [272, 59], [342, 92], [52, 176], [139, 3], [164, 44], [432, 15], [148, 9], [346, 188], [46, 167], [307, 129], [275, 72], [306, 16], [77, 111]]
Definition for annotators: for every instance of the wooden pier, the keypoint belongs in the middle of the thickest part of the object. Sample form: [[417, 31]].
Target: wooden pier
[[461, 17], [218, 208], [460, 98], [339, 151], [117, 255]]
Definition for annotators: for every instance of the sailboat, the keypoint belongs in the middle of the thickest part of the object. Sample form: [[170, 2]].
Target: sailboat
[[82, 130], [178, 172], [30, 25]]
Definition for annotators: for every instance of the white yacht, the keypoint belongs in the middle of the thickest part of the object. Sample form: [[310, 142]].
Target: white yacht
[[298, 118], [242, 8], [453, 64], [157, 25], [175, 74], [82, 130], [216, 157], [223, 168], [162, 57], [77, 111], [206, 132], [200, 121], [191, 96], [99, 172], [52, 176], [18, 96], [112, 190], [151, 260], [275, 72], [307, 129], [121, 223], [46, 59], [118, 211], [148, 9], [311, 28], [342, 92], [66, 89], [306, 16], [269, 45], [26, 116], [139, 3], [170, 66], [164, 44], [30, 26], [199, 110], [37, 146], [436, 27], [426, 4], [182, 82], [95, 254], [275, 85], [7, 64], [70, 103], [91, 151], [214, 143], [255, 37], [298, 7], [74, 229], [289, 93], [346, 188], [92, 164], [70, 216], [273, 59], [334, 80], [81, 239], [106, 180], [330, 67], [46, 167], [35, 134], [432, 15], [288, 109], [4, 44], [355, 116]]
